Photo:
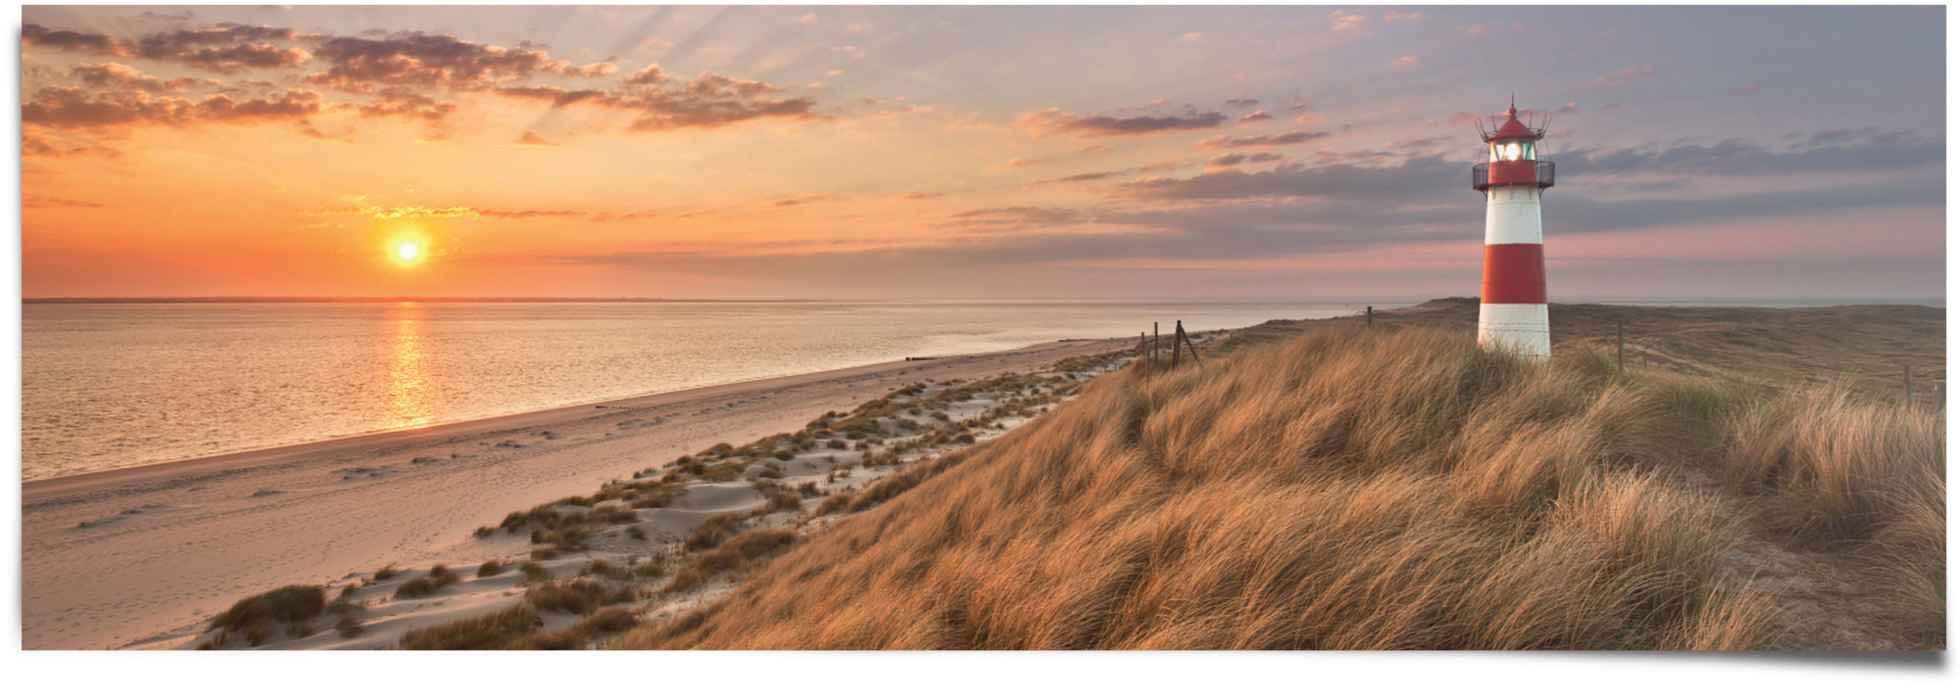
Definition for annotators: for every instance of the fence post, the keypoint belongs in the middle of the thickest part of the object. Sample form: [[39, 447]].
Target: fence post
[[1188, 344], [1370, 315], [1156, 342], [1177, 345]]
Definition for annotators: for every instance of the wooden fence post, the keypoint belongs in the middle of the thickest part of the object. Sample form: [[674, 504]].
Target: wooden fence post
[[1187, 342], [1177, 345], [1370, 315], [1156, 342]]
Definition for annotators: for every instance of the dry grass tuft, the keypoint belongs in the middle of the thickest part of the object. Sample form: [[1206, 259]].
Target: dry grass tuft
[[497, 631], [1386, 489]]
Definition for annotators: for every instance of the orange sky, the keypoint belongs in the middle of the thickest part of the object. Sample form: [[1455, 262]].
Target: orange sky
[[919, 152]]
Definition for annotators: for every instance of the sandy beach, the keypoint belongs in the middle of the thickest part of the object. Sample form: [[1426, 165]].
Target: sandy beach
[[142, 557]]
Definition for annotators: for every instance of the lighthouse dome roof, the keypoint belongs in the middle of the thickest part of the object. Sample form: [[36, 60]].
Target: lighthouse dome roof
[[1514, 129]]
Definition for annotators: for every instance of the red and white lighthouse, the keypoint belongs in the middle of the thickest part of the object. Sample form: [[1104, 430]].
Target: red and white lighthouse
[[1513, 315]]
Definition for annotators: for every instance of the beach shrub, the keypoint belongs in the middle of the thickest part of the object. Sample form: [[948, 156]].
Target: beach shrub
[[572, 597], [438, 578], [289, 604]]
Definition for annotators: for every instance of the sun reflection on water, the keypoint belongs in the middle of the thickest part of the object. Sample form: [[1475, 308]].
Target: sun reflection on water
[[408, 384]]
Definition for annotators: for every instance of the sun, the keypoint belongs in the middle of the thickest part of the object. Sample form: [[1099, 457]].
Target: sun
[[407, 251]]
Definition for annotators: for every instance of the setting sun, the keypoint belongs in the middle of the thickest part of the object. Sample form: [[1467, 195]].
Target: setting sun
[[407, 251]]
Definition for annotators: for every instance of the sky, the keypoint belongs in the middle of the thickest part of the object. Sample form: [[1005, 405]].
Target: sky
[[1273, 153]]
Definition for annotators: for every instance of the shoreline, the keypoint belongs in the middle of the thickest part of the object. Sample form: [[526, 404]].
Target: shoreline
[[60, 484], [138, 557]]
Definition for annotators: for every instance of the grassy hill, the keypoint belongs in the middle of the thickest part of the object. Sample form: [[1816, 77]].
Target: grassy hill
[[1331, 486]]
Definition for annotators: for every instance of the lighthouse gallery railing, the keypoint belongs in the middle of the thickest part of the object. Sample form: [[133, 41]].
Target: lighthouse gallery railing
[[1546, 173]]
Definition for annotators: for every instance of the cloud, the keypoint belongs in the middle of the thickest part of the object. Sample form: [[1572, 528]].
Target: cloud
[[1827, 151], [1014, 218], [395, 101], [37, 36], [74, 108], [594, 70], [1242, 103], [708, 101], [531, 138], [1288, 138], [1297, 180], [424, 60], [1057, 120], [37, 145], [362, 206], [647, 76], [1406, 62], [223, 48], [119, 76], [1255, 116], [1112, 174], [1235, 159], [1394, 16], [33, 201], [1343, 20], [1622, 77], [805, 199], [528, 214]]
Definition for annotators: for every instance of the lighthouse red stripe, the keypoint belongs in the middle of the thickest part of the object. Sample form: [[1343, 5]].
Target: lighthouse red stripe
[[1514, 273]]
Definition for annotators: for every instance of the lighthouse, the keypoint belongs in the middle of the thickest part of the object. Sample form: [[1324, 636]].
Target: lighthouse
[[1512, 315]]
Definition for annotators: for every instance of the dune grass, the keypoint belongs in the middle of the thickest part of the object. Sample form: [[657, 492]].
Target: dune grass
[[1395, 488]]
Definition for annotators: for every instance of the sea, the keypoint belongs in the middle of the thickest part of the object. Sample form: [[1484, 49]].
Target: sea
[[109, 385]]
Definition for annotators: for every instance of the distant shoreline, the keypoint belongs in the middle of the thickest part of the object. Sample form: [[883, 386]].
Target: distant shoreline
[[1378, 303]]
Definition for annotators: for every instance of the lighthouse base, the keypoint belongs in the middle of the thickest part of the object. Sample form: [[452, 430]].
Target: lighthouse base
[[1520, 328]]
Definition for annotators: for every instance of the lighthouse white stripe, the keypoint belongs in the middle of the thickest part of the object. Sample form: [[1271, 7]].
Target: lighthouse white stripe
[[1512, 216], [1524, 328]]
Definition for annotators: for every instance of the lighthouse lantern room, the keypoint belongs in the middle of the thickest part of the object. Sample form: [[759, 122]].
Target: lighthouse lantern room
[[1512, 315]]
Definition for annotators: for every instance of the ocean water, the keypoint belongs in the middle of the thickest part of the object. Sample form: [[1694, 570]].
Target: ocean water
[[112, 385]]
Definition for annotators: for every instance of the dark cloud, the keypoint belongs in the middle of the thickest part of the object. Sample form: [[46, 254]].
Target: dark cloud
[[223, 48], [220, 48], [1235, 159], [395, 101], [531, 138], [35, 35], [425, 60], [1242, 103], [1107, 125], [1288, 138], [1112, 174], [707, 101], [1829, 151], [118, 76], [1013, 218], [74, 108], [801, 200]]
